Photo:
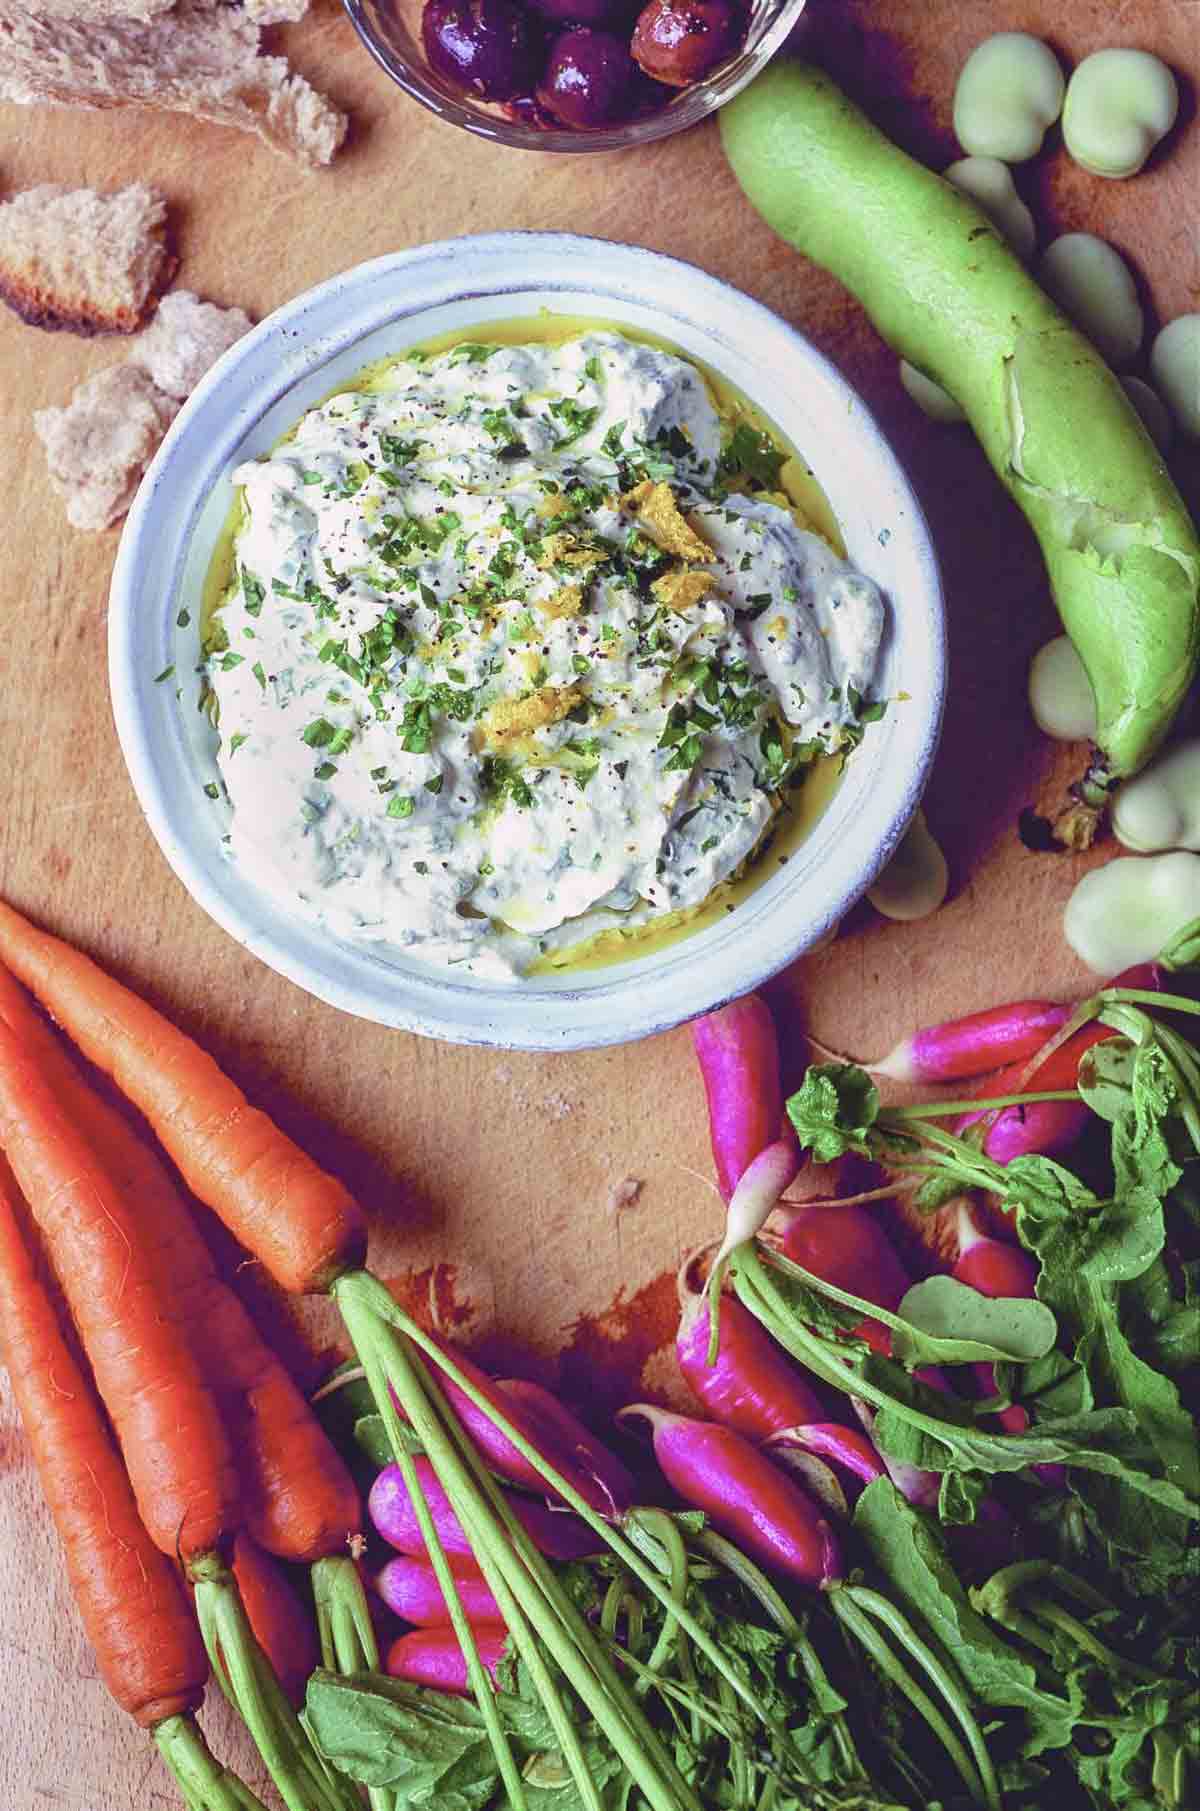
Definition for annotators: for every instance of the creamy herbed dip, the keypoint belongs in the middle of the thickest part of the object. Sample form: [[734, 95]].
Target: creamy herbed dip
[[521, 643]]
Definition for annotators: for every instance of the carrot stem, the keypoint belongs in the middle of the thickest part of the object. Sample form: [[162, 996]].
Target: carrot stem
[[205, 1784], [248, 1680]]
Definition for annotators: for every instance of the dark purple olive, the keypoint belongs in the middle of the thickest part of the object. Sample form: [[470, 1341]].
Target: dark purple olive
[[587, 78], [489, 47], [680, 41], [587, 12]]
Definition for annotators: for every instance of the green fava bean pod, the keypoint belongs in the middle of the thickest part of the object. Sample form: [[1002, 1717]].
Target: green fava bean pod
[[1058, 429]]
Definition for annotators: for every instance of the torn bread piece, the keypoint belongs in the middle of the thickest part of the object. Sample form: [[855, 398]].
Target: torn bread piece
[[275, 12], [103, 9], [185, 337], [98, 446], [197, 58], [88, 263]]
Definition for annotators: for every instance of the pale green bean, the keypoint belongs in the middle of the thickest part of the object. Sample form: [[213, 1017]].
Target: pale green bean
[[1128, 910], [1160, 809], [1155, 416], [1010, 90], [1060, 693], [989, 182], [1119, 105], [1175, 368], [1091, 282], [916, 880]]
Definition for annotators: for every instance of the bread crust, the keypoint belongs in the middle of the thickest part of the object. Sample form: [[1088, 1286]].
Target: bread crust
[[72, 260]]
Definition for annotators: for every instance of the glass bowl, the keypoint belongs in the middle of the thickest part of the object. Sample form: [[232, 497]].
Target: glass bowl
[[391, 31]]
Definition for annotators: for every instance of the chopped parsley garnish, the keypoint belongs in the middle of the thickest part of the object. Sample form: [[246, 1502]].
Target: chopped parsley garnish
[[166, 673], [752, 455], [259, 674], [320, 733], [471, 353], [401, 804], [612, 443], [398, 451], [594, 369], [183, 619], [575, 419], [212, 790], [236, 740], [502, 781], [326, 770], [683, 733], [253, 591]]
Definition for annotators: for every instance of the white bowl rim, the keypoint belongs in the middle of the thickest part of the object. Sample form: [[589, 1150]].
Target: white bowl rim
[[623, 1003]]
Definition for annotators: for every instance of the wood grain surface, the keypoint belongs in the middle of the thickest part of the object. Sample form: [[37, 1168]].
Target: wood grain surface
[[489, 1177]]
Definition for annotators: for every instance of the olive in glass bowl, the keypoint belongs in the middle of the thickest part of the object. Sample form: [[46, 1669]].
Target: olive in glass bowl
[[588, 79], [489, 47], [470, 84], [679, 41]]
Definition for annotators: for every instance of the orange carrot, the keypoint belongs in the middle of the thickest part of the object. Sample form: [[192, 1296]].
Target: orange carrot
[[283, 1628], [299, 1499], [300, 1222], [134, 1610], [124, 1301]]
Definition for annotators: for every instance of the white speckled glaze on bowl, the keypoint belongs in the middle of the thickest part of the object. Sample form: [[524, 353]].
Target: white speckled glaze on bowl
[[263, 385]]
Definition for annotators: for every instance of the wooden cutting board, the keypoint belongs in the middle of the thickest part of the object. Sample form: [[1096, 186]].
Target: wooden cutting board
[[490, 1177]]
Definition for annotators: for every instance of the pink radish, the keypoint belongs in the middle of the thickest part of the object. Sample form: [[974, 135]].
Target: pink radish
[[996, 1268], [498, 1449], [556, 1532], [846, 1246], [752, 1386], [433, 1657], [555, 1426], [1048, 1128], [743, 1495], [738, 1053], [973, 1045], [992, 1266], [410, 1588], [846, 1450]]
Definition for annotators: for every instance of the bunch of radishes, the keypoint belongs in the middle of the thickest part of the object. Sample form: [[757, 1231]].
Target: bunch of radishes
[[773, 1468]]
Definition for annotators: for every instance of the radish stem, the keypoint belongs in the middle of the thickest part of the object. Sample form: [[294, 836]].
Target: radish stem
[[859, 1624], [360, 1325], [950, 1688], [512, 1567], [620, 1545]]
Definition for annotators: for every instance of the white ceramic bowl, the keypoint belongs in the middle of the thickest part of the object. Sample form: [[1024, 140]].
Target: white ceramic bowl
[[294, 358]]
